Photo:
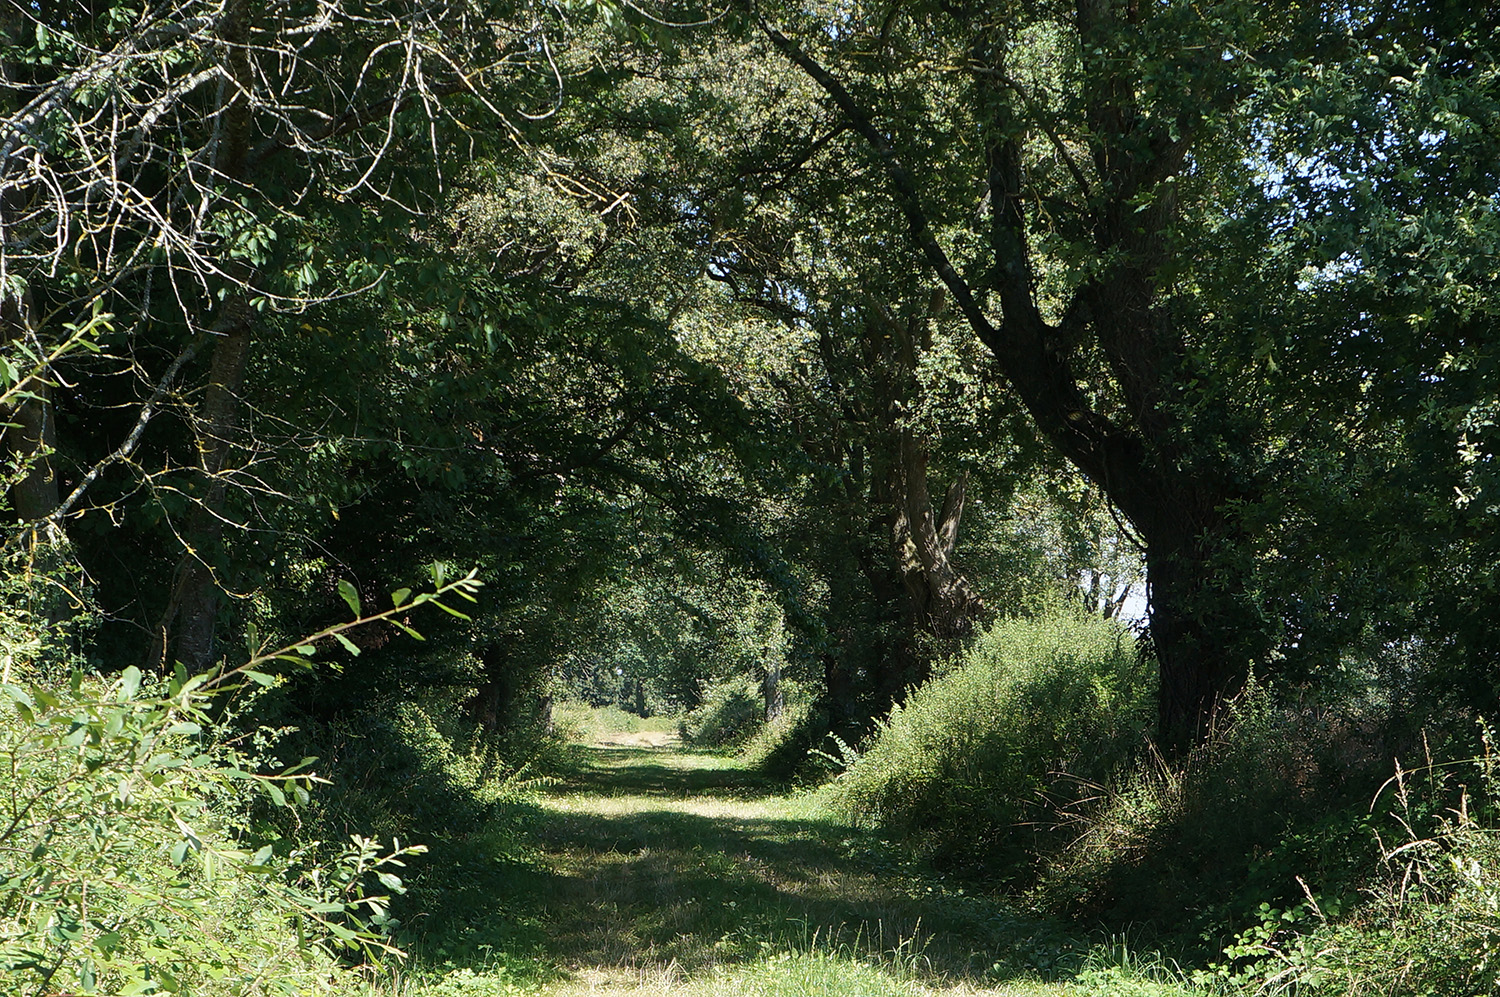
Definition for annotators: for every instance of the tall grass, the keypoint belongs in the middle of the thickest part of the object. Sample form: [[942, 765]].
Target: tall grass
[[1429, 923]]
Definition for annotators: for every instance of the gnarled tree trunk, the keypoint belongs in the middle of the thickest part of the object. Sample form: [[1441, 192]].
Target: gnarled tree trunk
[[943, 604], [1138, 447]]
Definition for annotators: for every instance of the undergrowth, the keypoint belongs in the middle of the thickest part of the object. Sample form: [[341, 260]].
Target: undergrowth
[[133, 859], [961, 770]]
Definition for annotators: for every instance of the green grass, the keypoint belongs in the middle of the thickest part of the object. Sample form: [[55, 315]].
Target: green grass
[[663, 870], [585, 724]]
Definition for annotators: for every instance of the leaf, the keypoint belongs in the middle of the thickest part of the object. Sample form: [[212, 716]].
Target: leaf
[[407, 630], [179, 852], [130, 682], [17, 694], [451, 611], [260, 678], [400, 596], [350, 594], [348, 644]]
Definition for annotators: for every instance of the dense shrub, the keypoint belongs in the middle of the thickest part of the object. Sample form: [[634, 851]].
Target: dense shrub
[[1037, 709], [782, 748], [128, 864], [1429, 920], [1201, 843], [729, 715]]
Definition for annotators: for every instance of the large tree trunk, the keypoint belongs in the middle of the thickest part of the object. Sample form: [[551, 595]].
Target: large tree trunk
[[187, 628], [771, 692], [1140, 451], [943, 604], [493, 704]]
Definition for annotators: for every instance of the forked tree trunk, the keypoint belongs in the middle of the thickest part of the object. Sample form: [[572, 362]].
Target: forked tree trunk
[[1141, 452], [943, 604]]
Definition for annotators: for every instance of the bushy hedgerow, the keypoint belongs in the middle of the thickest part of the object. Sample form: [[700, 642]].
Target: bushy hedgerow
[[130, 862], [965, 767], [730, 714]]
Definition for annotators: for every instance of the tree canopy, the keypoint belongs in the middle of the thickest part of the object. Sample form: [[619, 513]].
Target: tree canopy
[[894, 319]]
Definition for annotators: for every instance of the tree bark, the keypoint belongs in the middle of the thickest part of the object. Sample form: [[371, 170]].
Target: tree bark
[[494, 702], [942, 602], [187, 628], [771, 692], [32, 436]]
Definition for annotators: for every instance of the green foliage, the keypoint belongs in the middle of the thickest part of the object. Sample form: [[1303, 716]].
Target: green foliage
[[138, 830], [730, 714], [584, 723], [785, 748], [733, 714], [1036, 707], [1429, 925], [413, 771], [129, 863], [1203, 847]]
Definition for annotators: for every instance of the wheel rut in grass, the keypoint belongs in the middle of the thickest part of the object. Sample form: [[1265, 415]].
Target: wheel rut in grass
[[674, 871]]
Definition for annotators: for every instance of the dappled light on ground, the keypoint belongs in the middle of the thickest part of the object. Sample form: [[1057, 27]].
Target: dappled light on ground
[[670, 871]]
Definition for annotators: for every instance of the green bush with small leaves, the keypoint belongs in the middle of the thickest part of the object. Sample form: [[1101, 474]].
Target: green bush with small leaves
[[135, 857], [124, 867], [730, 714], [964, 768]]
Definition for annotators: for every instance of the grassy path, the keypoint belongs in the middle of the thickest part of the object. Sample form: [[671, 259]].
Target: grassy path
[[666, 871]]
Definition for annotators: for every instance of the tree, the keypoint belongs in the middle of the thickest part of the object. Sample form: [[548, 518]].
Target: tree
[[1108, 146], [178, 165]]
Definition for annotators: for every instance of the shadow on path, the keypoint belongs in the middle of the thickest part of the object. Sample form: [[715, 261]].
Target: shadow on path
[[665, 858], [664, 771]]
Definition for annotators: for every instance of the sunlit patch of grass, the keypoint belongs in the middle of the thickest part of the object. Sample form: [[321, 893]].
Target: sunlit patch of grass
[[588, 724]]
